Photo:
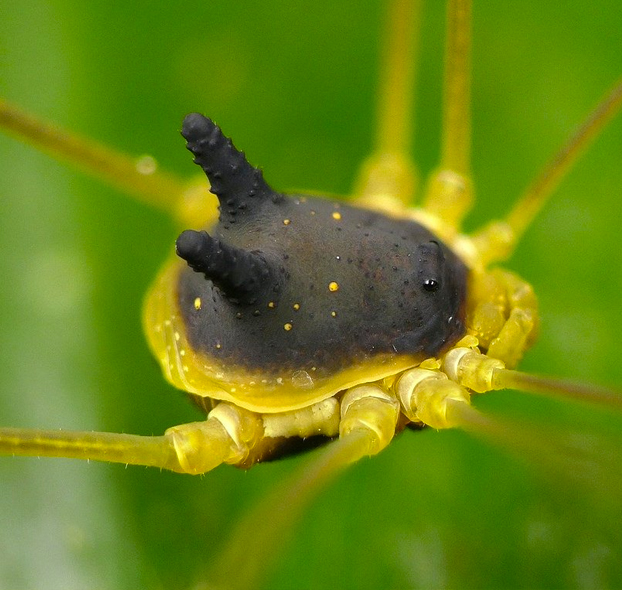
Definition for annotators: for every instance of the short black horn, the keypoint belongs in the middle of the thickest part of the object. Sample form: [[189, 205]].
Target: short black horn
[[242, 276]]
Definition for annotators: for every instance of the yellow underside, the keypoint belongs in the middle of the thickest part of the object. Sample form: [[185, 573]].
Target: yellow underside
[[209, 377]]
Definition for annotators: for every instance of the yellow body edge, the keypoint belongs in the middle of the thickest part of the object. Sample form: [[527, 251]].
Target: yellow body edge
[[208, 377]]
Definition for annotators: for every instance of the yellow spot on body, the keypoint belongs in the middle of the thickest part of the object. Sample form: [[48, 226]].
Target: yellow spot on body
[[296, 306], [333, 286], [177, 336], [182, 352], [287, 327], [197, 303], [219, 345], [271, 304], [333, 313], [287, 221], [336, 215], [186, 369]]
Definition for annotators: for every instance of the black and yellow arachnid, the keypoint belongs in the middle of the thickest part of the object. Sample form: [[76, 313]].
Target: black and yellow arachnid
[[432, 509]]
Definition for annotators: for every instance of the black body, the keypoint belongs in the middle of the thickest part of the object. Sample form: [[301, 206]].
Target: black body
[[303, 283]]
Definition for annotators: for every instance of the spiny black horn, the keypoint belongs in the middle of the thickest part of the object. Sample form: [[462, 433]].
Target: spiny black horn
[[239, 186], [242, 276]]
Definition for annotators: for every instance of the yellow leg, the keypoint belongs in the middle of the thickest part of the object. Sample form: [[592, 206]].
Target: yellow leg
[[449, 193], [138, 177], [481, 373], [506, 379], [504, 317], [368, 418], [153, 451], [387, 179], [225, 437], [497, 240], [426, 396]]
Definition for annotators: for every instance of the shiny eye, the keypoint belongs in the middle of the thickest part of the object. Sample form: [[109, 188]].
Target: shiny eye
[[431, 285]]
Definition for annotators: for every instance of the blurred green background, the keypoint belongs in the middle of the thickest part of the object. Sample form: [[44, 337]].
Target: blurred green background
[[294, 83]]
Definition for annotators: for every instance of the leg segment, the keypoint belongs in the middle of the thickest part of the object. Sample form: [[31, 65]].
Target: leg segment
[[387, 179], [225, 437], [503, 316], [136, 177], [368, 418], [427, 395], [449, 193], [369, 409]]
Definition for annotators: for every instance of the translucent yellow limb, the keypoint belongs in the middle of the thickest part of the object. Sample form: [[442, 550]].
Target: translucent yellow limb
[[482, 373], [153, 451], [584, 460], [503, 314], [507, 379], [225, 437], [540, 190], [449, 193], [137, 177], [524, 441], [426, 395], [429, 396], [389, 174], [368, 418], [497, 241]]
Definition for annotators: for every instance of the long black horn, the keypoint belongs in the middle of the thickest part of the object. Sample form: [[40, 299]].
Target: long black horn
[[239, 186]]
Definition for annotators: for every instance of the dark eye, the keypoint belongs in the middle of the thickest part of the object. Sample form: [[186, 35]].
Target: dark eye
[[430, 260], [431, 285]]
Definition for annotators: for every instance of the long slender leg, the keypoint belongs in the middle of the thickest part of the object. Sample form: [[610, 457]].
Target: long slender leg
[[449, 192], [428, 396], [225, 437], [588, 462], [368, 418], [562, 388], [388, 177], [130, 449], [497, 241], [136, 177], [480, 373]]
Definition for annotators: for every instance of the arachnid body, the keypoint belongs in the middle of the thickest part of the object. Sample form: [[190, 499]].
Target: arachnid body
[[433, 472]]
